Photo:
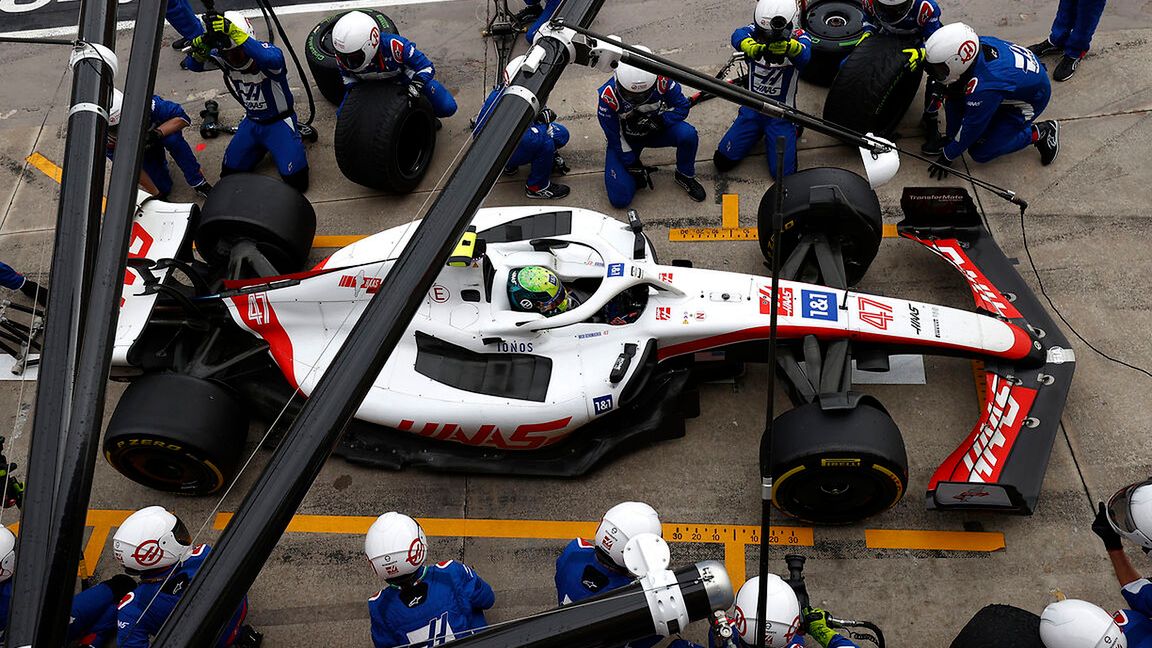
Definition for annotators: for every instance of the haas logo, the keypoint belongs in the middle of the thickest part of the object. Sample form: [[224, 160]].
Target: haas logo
[[148, 553], [967, 51], [374, 37], [416, 553]]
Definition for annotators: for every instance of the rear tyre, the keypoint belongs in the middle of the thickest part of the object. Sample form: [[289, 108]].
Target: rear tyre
[[1003, 626], [837, 466], [177, 433], [321, 54], [278, 219], [835, 27], [873, 89], [835, 202], [384, 140]]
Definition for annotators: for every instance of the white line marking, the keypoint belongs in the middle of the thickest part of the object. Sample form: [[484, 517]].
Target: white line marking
[[316, 7]]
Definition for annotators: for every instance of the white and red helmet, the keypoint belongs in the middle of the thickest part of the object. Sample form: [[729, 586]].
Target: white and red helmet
[[395, 545], [7, 553], [775, 14], [116, 107], [623, 522], [781, 612], [151, 539], [356, 39], [1073, 623], [633, 83], [951, 51]]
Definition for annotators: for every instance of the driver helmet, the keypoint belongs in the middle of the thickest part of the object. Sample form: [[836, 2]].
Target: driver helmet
[[536, 288], [635, 85], [1130, 512], [620, 524], [781, 613], [772, 15], [356, 39], [891, 12], [1072, 623], [395, 546], [151, 539], [115, 108], [951, 52], [7, 553]]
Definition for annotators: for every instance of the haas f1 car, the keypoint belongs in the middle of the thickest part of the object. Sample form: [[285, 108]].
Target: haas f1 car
[[478, 384]]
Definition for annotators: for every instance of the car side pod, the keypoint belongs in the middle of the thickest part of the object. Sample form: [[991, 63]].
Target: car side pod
[[1000, 465], [880, 167]]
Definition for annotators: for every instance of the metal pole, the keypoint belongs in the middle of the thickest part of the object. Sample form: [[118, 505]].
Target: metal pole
[[250, 536], [79, 446], [770, 408], [33, 619]]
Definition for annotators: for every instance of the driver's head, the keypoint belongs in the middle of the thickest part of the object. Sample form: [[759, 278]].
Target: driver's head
[[536, 288]]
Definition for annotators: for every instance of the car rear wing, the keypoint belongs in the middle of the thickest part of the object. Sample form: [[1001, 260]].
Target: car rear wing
[[1000, 465]]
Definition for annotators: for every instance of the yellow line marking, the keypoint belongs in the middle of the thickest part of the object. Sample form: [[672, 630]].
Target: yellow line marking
[[978, 376], [945, 540], [46, 166], [735, 562], [889, 230], [726, 233], [730, 211], [93, 549], [337, 241]]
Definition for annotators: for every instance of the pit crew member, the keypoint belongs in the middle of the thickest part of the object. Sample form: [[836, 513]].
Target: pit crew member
[[996, 90], [154, 545], [256, 72], [364, 54], [93, 618], [13, 280], [1128, 514], [1072, 31], [1072, 623], [776, 53], [639, 110], [422, 605], [535, 15], [537, 147], [781, 613], [912, 18], [166, 125], [185, 21]]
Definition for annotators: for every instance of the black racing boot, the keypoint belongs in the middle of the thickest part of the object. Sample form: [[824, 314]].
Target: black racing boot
[[933, 140], [1065, 68], [203, 189], [181, 44], [553, 191], [695, 189], [559, 166], [1043, 48], [1047, 141], [247, 637], [35, 292]]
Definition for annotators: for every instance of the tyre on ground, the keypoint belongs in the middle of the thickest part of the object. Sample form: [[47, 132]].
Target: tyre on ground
[[874, 87], [321, 55], [1003, 626], [835, 202], [177, 433], [835, 27], [385, 140], [275, 217], [837, 466]]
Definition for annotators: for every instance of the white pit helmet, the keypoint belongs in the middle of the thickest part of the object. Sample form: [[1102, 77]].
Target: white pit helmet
[[395, 545], [623, 522], [1130, 512], [775, 14], [891, 12], [356, 39], [781, 613], [633, 83], [951, 52], [150, 539], [7, 553], [115, 108], [513, 68], [1072, 623]]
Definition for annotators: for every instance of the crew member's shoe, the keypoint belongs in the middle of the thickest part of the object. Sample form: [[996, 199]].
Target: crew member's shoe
[[559, 166], [695, 189], [1047, 141], [553, 191], [181, 44], [1065, 68], [511, 170], [933, 140], [1043, 48], [35, 291], [247, 637], [203, 189]]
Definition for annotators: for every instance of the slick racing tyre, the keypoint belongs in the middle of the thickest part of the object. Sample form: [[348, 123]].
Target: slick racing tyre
[[321, 55], [874, 87], [837, 466], [835, 202], [246, 206], [835, 27], [384, 140], [177, 433], [1003, 626]]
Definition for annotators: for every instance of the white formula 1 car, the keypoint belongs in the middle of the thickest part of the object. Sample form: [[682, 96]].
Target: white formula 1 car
[[479, 385]]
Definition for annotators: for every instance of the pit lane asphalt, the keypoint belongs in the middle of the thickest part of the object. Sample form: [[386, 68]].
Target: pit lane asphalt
[[1086, 228]]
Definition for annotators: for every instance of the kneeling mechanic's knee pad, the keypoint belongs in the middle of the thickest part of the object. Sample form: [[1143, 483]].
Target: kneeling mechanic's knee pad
[[723, 162]]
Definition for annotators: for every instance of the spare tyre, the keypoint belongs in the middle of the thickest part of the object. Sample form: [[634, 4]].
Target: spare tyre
[[835, 202], [1003, 626], [835, 27], [247, 206], [321, 54], [874, 87], [384, 140], [177, 433]]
